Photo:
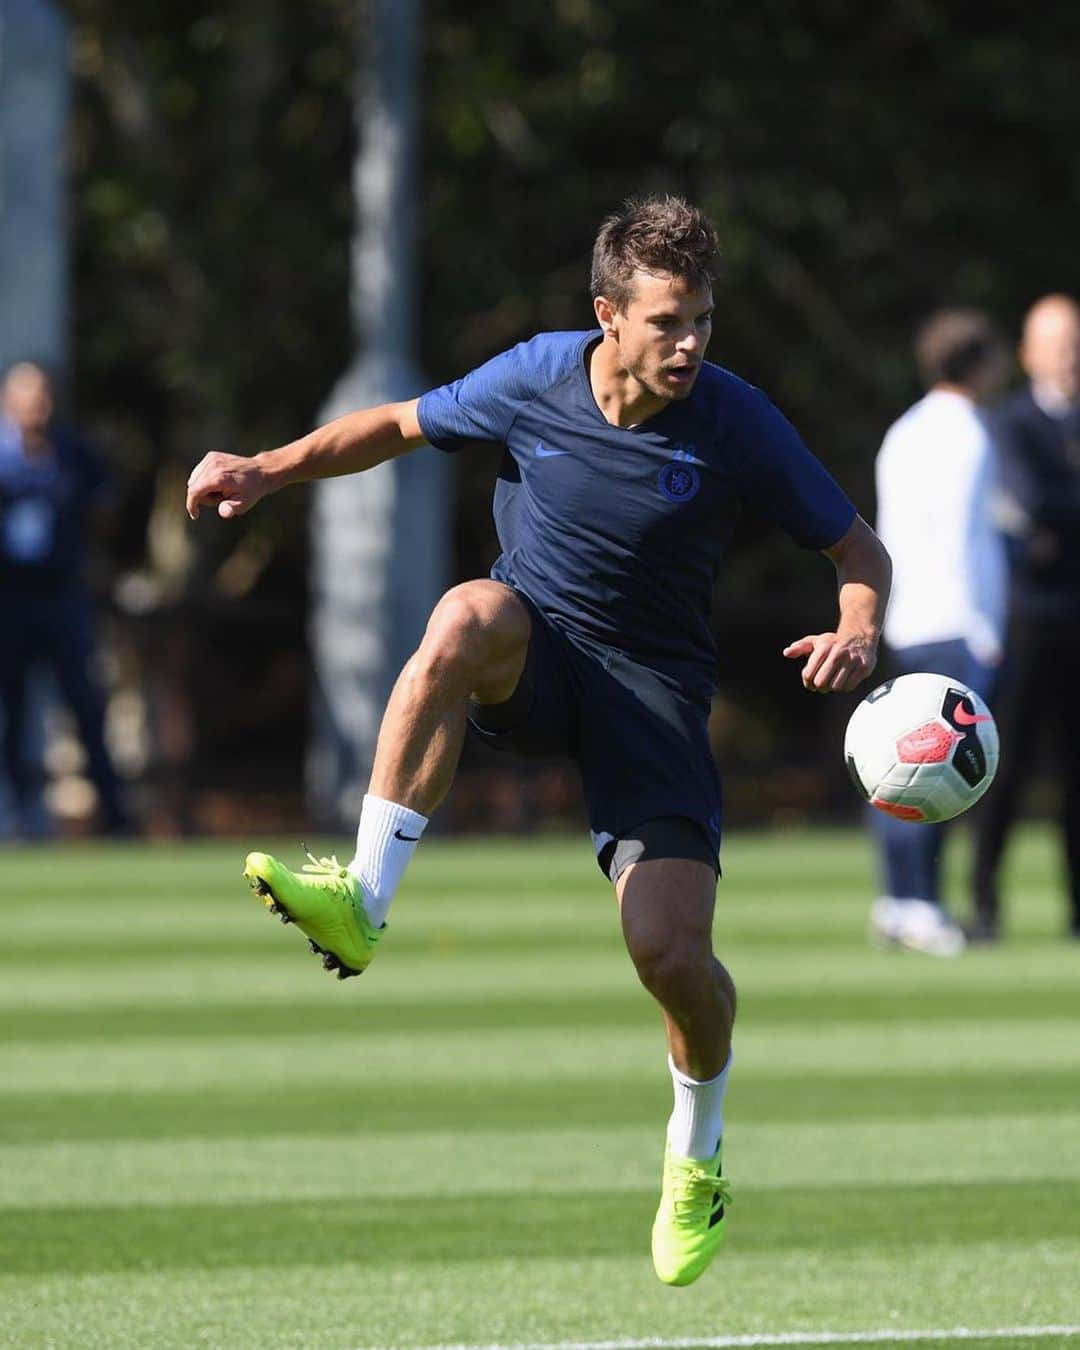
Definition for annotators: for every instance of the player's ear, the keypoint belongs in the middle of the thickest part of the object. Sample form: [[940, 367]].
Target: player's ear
[[605, 313]]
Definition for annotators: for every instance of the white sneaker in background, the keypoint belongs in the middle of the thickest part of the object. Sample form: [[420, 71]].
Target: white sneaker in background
[[917, 925], [883, 927]]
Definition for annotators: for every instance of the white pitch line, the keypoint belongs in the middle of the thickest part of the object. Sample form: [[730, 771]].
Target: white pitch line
[[779, 1338]]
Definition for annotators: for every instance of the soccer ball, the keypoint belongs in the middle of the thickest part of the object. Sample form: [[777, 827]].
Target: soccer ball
[[922, 747]]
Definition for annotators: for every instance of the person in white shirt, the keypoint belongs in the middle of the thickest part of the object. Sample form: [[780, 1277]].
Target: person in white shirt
[[934, 475]]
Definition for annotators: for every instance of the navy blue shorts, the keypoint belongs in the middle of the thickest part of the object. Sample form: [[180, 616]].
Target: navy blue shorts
[[641, 745]]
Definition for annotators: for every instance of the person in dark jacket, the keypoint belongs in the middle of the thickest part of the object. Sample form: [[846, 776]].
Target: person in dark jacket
[[1037, 434], [49, 481]]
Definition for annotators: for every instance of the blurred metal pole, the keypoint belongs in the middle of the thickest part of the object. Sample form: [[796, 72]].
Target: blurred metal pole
[[34, 99], [379, 539]]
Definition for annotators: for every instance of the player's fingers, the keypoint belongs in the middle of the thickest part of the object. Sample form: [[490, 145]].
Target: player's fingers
[[800, 648], [851, 672], [231, 506], [201, 494], [199, 488], [842, 679], [853, 676], [210, 482], [192, 502], [811, 673], [833, 670]]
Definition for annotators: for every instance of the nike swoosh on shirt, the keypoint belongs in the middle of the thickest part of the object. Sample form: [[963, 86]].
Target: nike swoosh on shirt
[[542, 452]]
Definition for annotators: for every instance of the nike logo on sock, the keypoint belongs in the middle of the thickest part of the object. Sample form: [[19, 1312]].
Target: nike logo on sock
[[406, 838]]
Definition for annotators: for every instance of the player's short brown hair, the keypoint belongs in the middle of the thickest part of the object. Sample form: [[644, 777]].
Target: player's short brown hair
[[652, 234], [953, 345]]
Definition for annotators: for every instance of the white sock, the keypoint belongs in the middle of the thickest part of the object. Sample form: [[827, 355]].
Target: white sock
[[697, 1122], [385, 842]]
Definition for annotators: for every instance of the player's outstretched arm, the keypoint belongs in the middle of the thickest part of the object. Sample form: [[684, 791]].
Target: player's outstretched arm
[[837, 662], [359, 440]]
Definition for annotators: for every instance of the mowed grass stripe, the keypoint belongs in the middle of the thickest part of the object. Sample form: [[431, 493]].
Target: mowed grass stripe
[[527, 915], [85, 890], [210, 1018], [283, 970], [459, 865], [506, 1055], [133, 943], [356, 1104], [527, 1225], [290, 975], [1001, 1336], [764, 863], [334, 1305], [733, 942], [365, 1165]]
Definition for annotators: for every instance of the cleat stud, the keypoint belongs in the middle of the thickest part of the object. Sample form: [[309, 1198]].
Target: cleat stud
[[314, 947], [257, 884]]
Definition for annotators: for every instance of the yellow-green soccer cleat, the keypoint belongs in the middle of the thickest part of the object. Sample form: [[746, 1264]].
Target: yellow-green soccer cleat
[[328, 906], [689, 1225]]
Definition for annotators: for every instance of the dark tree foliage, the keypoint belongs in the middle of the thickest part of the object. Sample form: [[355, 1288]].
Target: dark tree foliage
[[865, 164]]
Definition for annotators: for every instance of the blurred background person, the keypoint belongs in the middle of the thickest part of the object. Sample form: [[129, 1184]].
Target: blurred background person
[[1037, 432], [50, 481], [934, 476]]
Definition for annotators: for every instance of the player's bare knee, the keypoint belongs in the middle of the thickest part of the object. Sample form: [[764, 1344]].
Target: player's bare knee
[[726, 986], [474, 627], [669, 968]]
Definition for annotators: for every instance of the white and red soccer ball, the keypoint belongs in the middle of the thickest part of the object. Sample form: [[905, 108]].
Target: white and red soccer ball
[[922, 747]]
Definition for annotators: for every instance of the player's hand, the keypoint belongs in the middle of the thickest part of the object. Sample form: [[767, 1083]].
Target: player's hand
[[232, 483], [834, 664]]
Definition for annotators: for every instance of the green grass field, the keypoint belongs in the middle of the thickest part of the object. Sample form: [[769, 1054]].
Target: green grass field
[[204, 1140]]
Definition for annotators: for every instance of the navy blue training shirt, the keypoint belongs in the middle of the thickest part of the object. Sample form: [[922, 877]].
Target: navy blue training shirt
[[616, 534]]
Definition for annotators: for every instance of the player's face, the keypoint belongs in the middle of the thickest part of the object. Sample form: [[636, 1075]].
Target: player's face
[[663, 332]]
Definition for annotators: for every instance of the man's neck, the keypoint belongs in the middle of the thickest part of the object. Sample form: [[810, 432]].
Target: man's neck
[[1050, 399], [621, 397], [958, 390], [34, 441]]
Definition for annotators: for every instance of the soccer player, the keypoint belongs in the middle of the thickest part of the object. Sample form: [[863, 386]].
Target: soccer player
[[627, 460]]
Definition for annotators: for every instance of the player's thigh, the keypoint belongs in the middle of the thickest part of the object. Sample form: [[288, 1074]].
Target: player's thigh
[[536, 718], [484, 627], [666, 906]]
